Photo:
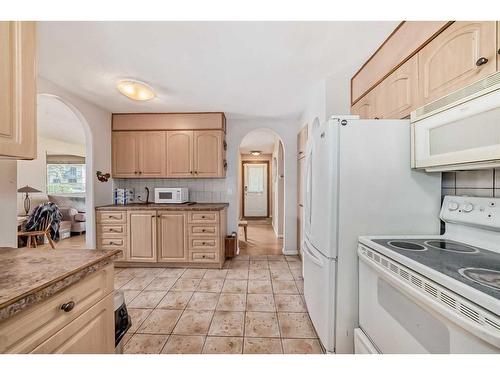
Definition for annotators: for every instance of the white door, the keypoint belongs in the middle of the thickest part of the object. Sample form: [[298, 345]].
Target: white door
[[319, 293], [255, 189], [320, 190]]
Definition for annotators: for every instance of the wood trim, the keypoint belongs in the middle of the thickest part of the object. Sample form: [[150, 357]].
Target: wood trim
[[413, 53], [243, 162], [222, 128]]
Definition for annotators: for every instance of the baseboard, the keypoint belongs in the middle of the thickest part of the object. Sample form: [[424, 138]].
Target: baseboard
[[290, 252]]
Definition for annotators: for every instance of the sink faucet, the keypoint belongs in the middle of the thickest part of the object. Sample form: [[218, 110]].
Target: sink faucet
[[147, 194]]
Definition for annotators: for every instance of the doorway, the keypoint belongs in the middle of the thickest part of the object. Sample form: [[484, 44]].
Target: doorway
[[256, 192]]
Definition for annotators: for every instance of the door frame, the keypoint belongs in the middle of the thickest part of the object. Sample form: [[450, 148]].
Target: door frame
[[243, 162]]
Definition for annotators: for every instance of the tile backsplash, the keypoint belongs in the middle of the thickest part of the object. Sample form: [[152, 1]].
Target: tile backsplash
[[202, 190], [481, 183]]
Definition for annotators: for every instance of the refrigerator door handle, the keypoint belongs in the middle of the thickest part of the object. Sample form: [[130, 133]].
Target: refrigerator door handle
[[313, 257]]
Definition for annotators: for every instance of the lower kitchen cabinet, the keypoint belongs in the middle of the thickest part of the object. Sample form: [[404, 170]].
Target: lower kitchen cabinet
[[142, 235], [91, 333], [87, 326], [163, 236], [172, 235]]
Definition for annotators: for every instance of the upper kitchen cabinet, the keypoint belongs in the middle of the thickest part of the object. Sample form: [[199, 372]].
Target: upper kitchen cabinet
[[366, 107], [209, 152], [139, 154], [397, 95], [404, 41], [169, 145], [462, 54], [180, 154], [18, 133]]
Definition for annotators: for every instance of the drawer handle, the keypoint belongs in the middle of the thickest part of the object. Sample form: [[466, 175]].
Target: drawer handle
[[203, 217], [68, 306], [481, 61], [203, 230], [203, 256], [112, 230], [203, 243], [114, 217], [113, 243]]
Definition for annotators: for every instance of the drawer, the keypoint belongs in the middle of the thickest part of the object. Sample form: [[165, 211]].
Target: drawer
[[109, 230], [111, 243], [203, 256], [93, 332], [203, 217], [203, 243], [203, 230], [111, 217], [25, 331]]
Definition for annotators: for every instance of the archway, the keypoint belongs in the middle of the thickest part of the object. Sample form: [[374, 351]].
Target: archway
[[261, 192], [89, 177]]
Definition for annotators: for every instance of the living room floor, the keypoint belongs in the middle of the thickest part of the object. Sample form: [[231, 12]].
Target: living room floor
[[254, 305], [73, 242]]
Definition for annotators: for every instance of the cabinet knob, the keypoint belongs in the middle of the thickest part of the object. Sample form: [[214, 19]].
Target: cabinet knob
[[68, 306], [135, 172], [481, 61], [203, 243], [203, 230]]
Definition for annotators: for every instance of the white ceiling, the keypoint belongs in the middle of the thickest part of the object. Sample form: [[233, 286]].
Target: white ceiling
[[258, 140], [246, 69], [55, 120]]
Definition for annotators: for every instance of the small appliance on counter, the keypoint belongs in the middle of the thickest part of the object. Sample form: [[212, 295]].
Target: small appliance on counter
[[434, 293], [123, 196], [171, 195]]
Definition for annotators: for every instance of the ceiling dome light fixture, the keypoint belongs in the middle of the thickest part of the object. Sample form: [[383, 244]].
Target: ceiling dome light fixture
[[255, 153], [135, 90]]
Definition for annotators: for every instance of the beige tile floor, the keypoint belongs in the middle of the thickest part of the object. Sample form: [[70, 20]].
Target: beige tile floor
[[254, 305]]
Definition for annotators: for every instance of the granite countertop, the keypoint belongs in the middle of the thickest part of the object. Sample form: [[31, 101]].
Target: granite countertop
[[28, 276], [166, 206]]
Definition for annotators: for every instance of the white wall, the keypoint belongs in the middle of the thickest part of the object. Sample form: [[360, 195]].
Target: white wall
[[8, 192], [279, 190], [287, 131], [34, 172], [315, 107], [338, 92], [97, 124]]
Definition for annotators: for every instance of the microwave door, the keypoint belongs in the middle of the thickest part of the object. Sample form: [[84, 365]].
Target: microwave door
[[466, 134]]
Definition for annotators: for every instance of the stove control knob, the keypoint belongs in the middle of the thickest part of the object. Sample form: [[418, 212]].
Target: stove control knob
[[468, 207], [453, 206]]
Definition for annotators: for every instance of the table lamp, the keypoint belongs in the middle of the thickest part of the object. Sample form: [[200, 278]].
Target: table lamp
[[27, 190]]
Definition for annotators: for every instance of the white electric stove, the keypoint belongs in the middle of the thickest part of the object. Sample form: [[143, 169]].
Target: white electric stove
[[434, 294]]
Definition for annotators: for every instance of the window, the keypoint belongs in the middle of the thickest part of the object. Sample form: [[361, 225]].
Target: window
[[65, 178], [256, 178]]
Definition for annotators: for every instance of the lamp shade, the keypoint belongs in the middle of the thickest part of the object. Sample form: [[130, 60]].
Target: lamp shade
[[28, 189]]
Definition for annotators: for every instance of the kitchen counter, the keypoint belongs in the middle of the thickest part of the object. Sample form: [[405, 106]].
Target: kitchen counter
[[166, 206], [28, 276]]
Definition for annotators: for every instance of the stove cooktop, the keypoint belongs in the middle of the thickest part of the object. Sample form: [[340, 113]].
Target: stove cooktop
[[473, 266]]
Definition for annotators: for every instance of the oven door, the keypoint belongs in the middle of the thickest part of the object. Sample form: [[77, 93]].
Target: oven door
[[399, 322], [465, 136]]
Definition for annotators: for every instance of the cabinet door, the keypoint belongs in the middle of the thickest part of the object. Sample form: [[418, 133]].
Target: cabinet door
[[397, 95], [125, 154], [180, 154], [208, 153], [18, 133], [172, 236], [365, 108], [142, 235], [462, 54], [93, 332], [153, 154]]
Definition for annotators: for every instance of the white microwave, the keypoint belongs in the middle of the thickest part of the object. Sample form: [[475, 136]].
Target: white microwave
[[459, 131], [171, 195]]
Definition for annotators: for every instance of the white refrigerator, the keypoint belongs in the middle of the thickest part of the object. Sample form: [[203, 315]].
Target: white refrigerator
[[358, 182]]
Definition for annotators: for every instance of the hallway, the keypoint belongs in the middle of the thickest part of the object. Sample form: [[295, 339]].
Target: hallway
[[261, 239]]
